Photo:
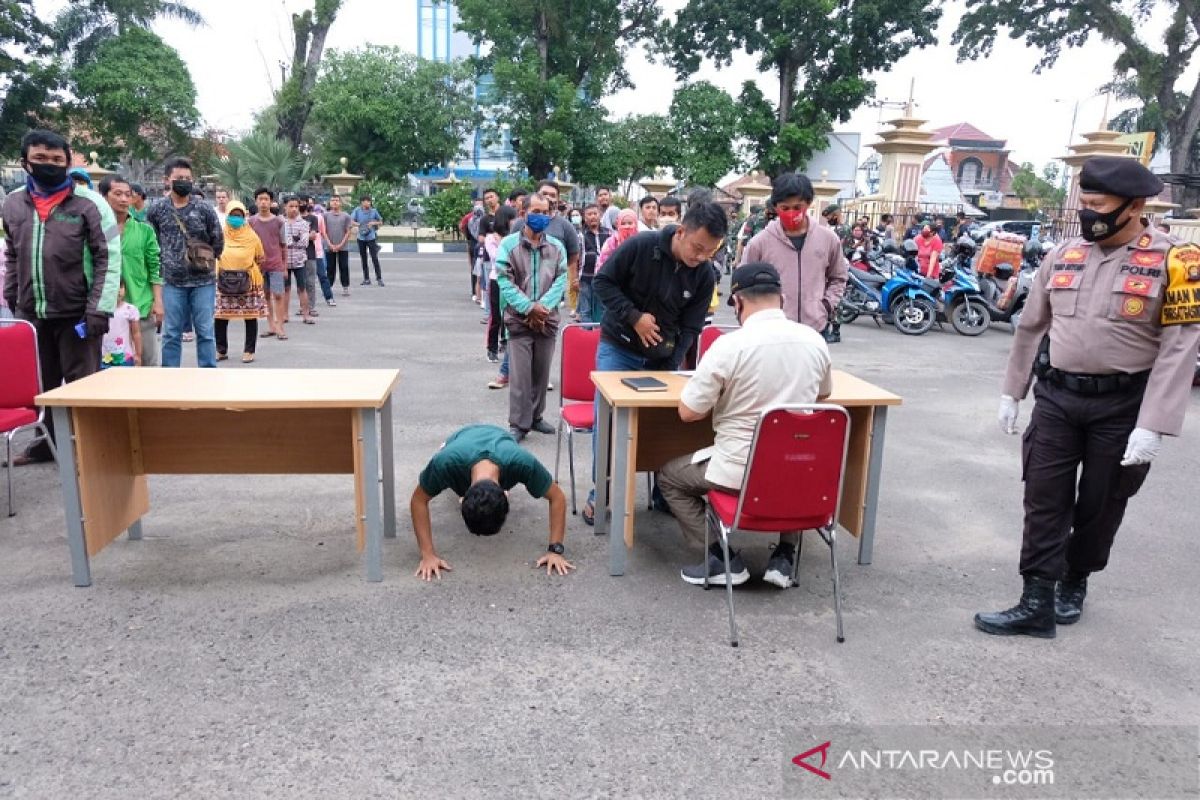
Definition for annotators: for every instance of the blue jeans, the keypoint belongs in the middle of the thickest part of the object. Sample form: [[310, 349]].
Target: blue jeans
[[323, 277], [583, 306], [610, 358], [184, 304]]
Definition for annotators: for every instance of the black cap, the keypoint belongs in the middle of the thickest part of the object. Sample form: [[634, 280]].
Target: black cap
[[758, 273], [829, 209], [1120, 177]]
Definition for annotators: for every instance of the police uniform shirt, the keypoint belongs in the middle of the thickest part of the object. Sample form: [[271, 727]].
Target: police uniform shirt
[[1126, 309]]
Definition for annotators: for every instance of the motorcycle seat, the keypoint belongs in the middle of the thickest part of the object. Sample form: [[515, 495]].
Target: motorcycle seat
[[872, 278], [930, 285]]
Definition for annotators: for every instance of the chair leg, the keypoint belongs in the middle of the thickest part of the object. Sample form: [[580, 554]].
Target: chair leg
[[557, 446], [571, 468], [8, 466], [796, 560], [831, 540], [649, 491], [707, 528], [733, 634], [49, 442]]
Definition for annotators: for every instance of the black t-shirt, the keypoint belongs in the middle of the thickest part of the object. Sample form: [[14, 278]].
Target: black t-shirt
[[593, 243], [798, 241], [313, 227]]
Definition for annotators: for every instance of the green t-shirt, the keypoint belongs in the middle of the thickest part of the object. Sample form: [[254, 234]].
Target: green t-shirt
[[450, 467]]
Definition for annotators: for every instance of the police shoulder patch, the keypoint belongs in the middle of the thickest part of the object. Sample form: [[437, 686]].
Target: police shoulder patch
[[1181, 303]]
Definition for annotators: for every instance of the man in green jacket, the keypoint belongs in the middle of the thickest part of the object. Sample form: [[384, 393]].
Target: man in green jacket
[[139, 265], [64, 265]]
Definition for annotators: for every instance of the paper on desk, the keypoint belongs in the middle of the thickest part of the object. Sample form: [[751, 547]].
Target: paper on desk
[[684, 373]]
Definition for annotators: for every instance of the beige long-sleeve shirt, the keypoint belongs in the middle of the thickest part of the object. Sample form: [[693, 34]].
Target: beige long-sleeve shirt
[[1103, 309]]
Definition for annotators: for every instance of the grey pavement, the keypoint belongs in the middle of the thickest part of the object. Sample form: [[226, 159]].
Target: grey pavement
[[238, 651]]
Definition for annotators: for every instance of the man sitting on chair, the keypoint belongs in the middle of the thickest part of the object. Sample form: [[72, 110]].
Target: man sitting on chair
[[481, 463], [769, 361]]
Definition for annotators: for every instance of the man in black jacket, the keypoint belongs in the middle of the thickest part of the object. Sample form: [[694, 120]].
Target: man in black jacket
[[656, 289]]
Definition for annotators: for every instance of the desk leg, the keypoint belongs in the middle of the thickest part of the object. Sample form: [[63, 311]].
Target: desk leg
[[369, 425], [135, 531], [72, 507], [389, 471], [603, 450], [866, 541], [621, 435]]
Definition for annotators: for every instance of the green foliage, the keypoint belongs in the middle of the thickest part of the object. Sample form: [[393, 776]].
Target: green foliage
[[29, 76], [504, 183], [391, 112], [444, 209], [293, 101], [262, 160], [387, 197], [831, 45], [1153, 41], [704, 121], [136, 97], [1035, 191], [552, 62], [642, 144], [83, 27]]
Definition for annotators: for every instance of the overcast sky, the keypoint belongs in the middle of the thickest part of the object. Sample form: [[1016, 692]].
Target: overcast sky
[[234, 62]]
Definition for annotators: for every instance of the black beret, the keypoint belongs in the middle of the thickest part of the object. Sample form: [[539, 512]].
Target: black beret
[[758, 273], [1120, 177]]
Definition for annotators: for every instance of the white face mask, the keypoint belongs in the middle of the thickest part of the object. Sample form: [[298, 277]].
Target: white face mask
[[576, 219]]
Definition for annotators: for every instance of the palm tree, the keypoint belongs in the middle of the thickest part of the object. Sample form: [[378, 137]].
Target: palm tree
[[262, 160], [84, 24]]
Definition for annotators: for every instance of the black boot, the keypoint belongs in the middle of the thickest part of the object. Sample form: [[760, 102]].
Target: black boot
[[1032, 616], [1068, 599]]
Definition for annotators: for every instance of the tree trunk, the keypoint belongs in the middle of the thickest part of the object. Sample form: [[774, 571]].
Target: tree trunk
[[539, 161], [293, 101]]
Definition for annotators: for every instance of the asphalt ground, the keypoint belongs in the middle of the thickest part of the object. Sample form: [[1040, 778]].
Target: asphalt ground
[[238, 651]]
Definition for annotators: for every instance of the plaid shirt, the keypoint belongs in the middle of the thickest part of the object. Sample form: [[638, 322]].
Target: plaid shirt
[[295, 233]]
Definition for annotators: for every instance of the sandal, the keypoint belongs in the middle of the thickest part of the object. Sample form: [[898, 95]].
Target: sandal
[[589, 512], [266, 335], [222, 357], [281, 336], [247, 358], [309, 321]]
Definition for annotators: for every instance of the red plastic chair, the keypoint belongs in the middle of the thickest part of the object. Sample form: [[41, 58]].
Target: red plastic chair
[[575, 399], [793, 482], [708, 335], [22, 382]]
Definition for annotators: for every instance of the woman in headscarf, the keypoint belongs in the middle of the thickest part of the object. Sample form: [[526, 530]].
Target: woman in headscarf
[[627, 228], [239, 282]]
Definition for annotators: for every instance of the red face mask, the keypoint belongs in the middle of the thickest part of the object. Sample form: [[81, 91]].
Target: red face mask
[[791, 219]]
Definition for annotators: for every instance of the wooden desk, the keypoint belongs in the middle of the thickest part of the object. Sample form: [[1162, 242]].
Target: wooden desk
[[116, 427], [641, 431]]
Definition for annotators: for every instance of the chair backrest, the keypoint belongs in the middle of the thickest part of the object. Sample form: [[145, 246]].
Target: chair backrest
[[708, 335], [797, 461], [19, 364], [579, 344]]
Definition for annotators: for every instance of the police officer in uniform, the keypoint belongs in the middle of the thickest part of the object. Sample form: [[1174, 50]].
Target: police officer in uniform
[[1111, 329]]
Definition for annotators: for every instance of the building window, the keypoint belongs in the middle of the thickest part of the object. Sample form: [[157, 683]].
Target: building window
[[970, 173]]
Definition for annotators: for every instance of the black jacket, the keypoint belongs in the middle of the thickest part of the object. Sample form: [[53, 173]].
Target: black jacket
[[642, 276]]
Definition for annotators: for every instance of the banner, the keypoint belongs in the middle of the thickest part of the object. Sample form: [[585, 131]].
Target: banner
[[1141, 145]]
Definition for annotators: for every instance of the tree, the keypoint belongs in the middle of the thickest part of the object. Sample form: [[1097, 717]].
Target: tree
[[552, 62], [294, 99], [832, 44], [1037, 192], [28, 76], [392, 112], [263, 160], [1051, 25], [135, 98], [83, 26], [704, 123]]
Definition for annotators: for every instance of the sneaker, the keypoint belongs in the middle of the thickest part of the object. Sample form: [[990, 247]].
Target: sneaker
[[779, 567], [501, 382], [345, 291], [380, 282], [715, 566], [331, 303], [549, 387], [493, 357], [365, 283], [517, 433], [541, 426]]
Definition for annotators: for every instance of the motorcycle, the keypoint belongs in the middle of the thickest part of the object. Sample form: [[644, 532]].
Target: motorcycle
[[888, 292], [960, 300]]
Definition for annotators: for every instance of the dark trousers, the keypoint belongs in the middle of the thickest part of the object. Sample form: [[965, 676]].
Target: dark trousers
[[529, 358], [337, 266], [495, 317], [222, 331], [373, 247], [1072, 515], [63, 357]]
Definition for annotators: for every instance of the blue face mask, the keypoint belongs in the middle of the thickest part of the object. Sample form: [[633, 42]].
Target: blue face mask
[[235, 222], [537, 222]]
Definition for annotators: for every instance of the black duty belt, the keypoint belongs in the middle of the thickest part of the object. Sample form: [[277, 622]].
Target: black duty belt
[[1096, 384]]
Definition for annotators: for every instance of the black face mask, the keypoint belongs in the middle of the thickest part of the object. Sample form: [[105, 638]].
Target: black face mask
[[47, 176], [183, 188], [1096, 227]]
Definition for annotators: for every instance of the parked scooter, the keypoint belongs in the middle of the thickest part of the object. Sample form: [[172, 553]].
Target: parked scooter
[[961, 302], [900, 296]]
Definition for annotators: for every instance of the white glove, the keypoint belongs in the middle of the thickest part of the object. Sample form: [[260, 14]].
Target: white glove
[[1142, 448], [1008, 414]]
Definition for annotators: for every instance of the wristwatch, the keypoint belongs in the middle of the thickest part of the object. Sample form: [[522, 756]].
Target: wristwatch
[[556, 548]]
